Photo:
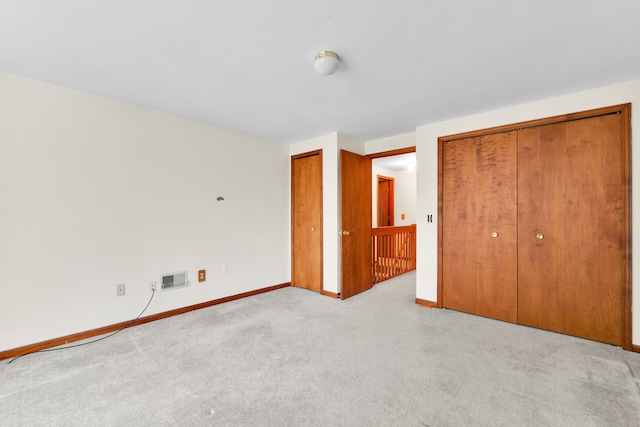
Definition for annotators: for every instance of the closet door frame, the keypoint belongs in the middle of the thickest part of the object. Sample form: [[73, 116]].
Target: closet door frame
[[625, 111]]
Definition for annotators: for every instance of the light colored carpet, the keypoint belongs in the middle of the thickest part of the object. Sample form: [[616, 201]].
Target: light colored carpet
[[294, 358]]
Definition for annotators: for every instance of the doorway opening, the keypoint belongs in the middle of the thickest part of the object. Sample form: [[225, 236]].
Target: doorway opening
[[370, 255], [393, 236], [386, 201]]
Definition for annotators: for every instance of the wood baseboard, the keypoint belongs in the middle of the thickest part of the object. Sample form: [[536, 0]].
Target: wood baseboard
[[32, 348], [635, 348], [329, 294], [425, 303]]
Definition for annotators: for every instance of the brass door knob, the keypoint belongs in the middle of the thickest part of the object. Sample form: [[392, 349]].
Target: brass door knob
[[539, 236], [494, 234]]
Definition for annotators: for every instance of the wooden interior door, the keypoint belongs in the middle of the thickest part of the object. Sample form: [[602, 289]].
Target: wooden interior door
[[479, 225], [571, 228], [355, 224], [385, 201], [306, 219]]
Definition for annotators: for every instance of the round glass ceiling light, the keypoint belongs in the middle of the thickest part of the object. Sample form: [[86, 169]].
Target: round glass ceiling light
[[326, 63]]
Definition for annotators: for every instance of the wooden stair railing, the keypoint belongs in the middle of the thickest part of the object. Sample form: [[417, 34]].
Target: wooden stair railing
[[394, 251]]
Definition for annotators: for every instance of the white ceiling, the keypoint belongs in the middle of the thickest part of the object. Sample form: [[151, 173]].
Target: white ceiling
[[247, 64]]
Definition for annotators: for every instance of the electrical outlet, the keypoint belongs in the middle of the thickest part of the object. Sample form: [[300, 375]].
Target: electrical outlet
[[153, 286], [120, 290]]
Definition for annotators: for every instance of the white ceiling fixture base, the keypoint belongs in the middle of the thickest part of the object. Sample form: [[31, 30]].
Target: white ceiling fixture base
[[326, 62]]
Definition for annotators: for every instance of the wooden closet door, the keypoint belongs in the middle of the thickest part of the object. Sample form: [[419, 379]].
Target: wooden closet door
[[496, 245], [306, 221], [459, 273], [571, 228], [479, 225]]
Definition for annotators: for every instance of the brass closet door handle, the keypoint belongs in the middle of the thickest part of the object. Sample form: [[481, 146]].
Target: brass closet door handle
[[539, 236], [494, 234]]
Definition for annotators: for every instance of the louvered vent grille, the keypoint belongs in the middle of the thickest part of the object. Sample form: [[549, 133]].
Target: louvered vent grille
[[174, 280]]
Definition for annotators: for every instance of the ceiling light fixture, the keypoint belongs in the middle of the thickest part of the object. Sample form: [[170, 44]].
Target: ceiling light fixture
[[326, 63]]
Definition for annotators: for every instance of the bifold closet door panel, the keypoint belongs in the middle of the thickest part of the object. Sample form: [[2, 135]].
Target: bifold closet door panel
[[570, 235], [542, 257], [479, 225], [459, 229], [496, 201]]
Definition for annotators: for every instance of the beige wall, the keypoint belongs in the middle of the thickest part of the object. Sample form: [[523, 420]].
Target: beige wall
[[96, 192]]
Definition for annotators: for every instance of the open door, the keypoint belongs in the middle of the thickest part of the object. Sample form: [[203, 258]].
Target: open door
[[355, 224]]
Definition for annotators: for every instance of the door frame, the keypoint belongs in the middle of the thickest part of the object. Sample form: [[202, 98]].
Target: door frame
[[391, 153], [625, 111]]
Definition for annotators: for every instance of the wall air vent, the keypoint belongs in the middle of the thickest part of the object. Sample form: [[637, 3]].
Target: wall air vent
[[174, 281]]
